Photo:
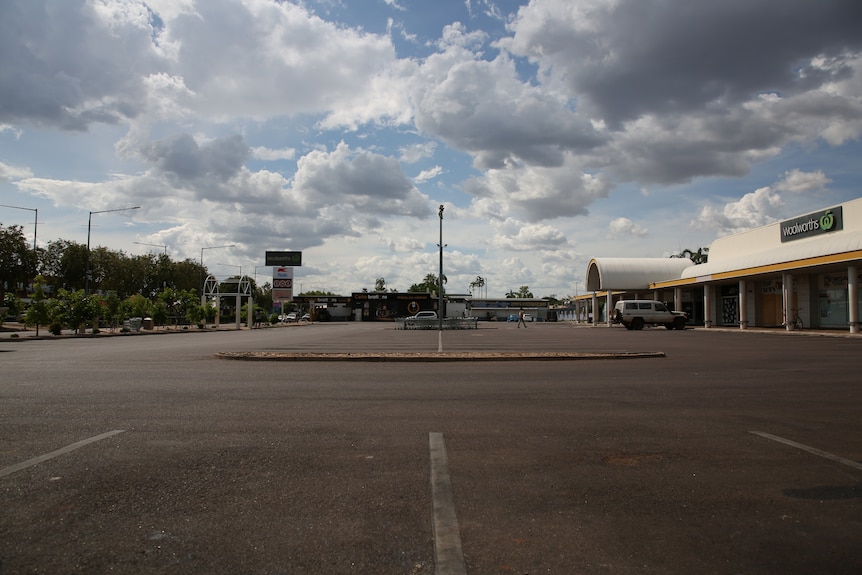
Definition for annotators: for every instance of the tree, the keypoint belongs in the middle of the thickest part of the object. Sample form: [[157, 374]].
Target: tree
[[380, 285], [17, 261], [523, 292], [37, 313], [429, 284], [74, 309], [478, 283], [698, 257]]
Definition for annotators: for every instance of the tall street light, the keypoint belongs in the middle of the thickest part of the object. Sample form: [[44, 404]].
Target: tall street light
[[35, 227], [202, 261], [440, 287], [90, 225], [153, 245]]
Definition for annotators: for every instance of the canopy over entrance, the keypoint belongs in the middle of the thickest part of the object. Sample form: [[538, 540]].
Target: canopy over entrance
[[632, 274]]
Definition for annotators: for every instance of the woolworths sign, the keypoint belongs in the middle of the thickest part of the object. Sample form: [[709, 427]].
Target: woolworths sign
[[812, 225]]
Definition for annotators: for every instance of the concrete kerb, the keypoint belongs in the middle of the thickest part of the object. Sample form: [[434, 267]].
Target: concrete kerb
[[433, 356]]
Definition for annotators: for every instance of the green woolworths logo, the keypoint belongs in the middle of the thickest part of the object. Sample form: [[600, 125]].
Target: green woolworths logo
[[813, 224], [827, 221]]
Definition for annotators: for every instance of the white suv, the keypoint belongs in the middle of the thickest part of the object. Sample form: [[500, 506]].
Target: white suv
[[424, 315], [636, 313]]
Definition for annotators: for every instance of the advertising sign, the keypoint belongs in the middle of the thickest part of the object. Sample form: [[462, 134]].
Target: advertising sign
[[812, 225], [283, 258], [282, 284], [282, 273]]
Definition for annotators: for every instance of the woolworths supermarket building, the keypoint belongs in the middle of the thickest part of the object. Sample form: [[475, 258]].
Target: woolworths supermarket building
[[806, 267]]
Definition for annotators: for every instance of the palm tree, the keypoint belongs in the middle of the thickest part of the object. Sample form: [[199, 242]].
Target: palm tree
[[479, 282], [698, 257]]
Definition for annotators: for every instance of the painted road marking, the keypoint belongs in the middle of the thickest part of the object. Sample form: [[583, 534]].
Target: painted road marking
[[814, 450], [31, 462], [447, 537]]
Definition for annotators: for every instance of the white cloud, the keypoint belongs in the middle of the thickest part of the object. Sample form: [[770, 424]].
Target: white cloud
[[796, 181], [9, 172], [426, 175], [264, 153], [625, 228], [415, 152], [755, 209]]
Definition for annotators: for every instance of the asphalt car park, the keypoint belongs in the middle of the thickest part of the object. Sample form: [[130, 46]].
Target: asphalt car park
[[736, 452]]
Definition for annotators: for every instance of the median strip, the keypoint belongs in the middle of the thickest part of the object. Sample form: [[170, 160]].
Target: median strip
[[431, 356], [448, 556]]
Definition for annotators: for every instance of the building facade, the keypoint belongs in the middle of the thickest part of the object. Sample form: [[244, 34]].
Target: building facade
[[800, 273]]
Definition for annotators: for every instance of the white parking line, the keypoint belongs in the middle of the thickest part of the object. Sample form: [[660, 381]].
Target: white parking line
[[447, 537], [31, 462], [814, 450]]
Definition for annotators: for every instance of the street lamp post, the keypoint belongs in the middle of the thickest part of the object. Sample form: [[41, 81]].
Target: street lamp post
[[89, 226], [153, 245], [35, 227], [202, 263], [440, 287]]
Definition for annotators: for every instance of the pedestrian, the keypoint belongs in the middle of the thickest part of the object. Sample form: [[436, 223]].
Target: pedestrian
[[521, 318]]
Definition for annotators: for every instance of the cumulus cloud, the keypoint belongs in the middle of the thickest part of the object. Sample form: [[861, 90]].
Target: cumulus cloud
[[540, 193], [9, 172], [264, 153], [515, 236], [629, 59], [798, 182], [426, 175], [625, 228], [483, 108], [754, 209]]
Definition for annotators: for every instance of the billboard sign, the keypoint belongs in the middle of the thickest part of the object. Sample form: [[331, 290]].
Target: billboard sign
[[283, 258], [282, 284]]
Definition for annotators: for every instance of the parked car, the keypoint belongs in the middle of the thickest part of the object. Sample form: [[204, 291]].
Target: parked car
[[514, 317], [287, 318], [424, 315], [305, 317], [635, 314]]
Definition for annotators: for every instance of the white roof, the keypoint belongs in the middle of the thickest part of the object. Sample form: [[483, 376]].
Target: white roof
[[632, 273], [800, 250]]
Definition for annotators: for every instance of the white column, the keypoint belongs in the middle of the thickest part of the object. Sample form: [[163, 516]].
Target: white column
[[595, 320], [707, 305], [787, 300], [853, 297], [609, 306], [743, 305]]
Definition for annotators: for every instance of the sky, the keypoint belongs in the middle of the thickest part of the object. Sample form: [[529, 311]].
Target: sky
[[552, 131]]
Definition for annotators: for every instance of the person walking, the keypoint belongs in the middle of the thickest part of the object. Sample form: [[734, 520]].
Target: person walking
[[521, 319]]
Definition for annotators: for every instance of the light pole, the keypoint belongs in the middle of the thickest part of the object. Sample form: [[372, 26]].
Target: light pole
[[440, 286], [35, 226], [212, 248], [153, 245], [90, 225]]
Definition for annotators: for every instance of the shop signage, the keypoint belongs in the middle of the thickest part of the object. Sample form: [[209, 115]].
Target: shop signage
[[283, 258], [822, 222]]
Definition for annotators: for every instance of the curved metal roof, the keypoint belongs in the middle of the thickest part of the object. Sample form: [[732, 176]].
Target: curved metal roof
[[632, 273]]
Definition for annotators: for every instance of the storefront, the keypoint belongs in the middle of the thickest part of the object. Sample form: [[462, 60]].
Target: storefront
[[800, 273]]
